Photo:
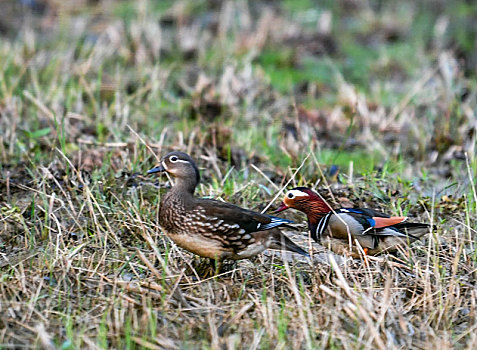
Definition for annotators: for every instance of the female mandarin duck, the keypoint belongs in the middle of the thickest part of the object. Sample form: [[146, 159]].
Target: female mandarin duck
[[376, 232], [211, 228]]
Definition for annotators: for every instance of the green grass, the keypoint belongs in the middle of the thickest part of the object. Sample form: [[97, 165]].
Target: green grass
[[90, 96]]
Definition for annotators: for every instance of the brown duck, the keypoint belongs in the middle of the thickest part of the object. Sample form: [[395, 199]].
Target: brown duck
[[211, 228]]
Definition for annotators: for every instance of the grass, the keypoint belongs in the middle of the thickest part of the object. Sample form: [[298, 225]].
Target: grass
[[90, 97]]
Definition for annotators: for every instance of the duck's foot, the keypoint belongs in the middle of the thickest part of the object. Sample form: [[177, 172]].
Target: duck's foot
[[365, 257], [207, 268]]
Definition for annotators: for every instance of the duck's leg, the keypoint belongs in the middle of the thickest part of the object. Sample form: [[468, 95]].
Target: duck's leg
[[208, 267], [216, 266]]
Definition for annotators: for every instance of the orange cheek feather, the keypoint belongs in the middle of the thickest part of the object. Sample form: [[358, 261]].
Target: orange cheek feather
[[385, 222]]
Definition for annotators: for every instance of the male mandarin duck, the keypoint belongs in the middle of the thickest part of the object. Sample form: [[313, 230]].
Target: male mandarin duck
[[375, 231], [211, 228]]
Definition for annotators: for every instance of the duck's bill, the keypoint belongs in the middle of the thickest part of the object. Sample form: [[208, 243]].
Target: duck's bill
[[282, 207], [157, 169]]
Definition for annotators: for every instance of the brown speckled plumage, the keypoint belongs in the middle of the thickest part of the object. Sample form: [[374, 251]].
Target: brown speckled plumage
[[212, 228]]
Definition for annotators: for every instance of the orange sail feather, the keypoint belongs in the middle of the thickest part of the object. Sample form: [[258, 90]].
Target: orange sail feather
[[385, 222]]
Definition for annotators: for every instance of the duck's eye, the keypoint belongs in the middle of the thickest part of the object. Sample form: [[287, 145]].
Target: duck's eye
[[291, 195], [173, 159]]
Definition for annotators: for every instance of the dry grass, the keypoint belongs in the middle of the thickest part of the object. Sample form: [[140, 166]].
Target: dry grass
[[91, 95]]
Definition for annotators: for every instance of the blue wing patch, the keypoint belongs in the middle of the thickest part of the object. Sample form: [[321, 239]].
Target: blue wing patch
[[276, 221], [371, 221]]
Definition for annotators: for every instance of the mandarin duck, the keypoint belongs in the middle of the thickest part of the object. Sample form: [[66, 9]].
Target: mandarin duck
[[337, 229], [211, 228]]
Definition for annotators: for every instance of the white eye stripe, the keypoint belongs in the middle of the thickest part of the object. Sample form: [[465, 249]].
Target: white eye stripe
[[296, 193], [175, 159]]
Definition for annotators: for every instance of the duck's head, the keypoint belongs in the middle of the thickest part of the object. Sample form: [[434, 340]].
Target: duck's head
[[180, 166]]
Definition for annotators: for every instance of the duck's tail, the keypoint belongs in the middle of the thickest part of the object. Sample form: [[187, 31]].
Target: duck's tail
[[280, 241], [413, 230]]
